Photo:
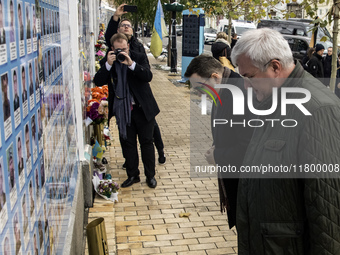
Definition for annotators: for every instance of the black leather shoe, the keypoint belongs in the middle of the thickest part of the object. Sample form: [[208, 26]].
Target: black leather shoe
[[129, 181], [161, 160], [152, 183]]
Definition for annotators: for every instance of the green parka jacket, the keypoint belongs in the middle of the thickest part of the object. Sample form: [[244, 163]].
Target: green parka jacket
[[284, 216]]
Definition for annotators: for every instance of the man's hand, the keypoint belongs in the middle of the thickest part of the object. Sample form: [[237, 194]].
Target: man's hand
[[209, 155], [111, 57], [128, 61], [119, 12]]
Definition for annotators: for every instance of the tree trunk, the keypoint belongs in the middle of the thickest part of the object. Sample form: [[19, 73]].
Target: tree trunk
[[335, 45]]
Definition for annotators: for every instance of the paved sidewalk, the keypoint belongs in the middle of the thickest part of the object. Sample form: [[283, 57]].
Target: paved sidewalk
[[146, 221]]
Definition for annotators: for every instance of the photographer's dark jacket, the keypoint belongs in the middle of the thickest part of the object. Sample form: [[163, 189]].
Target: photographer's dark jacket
[[138, 81]]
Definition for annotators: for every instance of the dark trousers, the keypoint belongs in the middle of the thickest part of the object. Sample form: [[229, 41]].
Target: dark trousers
[[157, 138], [144, 130]]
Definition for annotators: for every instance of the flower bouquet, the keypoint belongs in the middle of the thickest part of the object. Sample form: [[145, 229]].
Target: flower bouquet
[[107, 189], [97, 109]]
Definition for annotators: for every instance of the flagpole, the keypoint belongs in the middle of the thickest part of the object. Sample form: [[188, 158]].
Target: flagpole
[[173, 42]]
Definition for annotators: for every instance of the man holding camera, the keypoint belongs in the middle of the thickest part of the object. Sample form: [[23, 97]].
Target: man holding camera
[[131, 101], [117, 25]]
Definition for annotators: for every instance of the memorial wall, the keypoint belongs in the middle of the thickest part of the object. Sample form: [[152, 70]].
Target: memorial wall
[[39, 148]]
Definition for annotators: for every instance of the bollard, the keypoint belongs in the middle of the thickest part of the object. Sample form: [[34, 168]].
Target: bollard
[[96, 237]]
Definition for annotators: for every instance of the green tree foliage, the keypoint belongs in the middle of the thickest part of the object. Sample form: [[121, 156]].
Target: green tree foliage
[[311, 8], [147, 10]]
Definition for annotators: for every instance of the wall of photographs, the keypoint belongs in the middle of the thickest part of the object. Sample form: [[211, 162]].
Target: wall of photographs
[[38, 133]]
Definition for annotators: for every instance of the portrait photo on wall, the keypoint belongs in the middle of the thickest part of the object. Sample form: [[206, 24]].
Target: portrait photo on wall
[[42, 171], [20, 159], [31, 85], [45, 23], [41, 232], [28, 28], [11, 175], [35, 242], [6, 105], [34, 138], [2, 25], [20, 155], [42, 22], [31, 200], [52, 22], [37, 85], [2, 186], [11, 168], [48, 20], [46, 69], [5, 97], [37, 185], [6, 245], [45, 217], [35, 31], [12, 34], [3, 47], [28, 148], [16, 100], [34, 21], [21, 14], [49, 63], [17, 234], [24, 212], [3, 204], [24, 90]]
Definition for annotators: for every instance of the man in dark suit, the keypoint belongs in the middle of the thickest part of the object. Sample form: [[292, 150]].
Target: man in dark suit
[[230, 142], [132, 102], [118, 25]]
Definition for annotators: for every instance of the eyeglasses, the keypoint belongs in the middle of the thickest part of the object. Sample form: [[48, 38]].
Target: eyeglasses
[[125, 25], [271, 61], [265, 65]]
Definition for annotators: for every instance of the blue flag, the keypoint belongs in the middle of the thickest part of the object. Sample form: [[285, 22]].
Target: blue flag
[[159, 31]]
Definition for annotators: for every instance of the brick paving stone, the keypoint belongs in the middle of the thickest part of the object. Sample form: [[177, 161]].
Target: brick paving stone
[[142, 238], [205, 246], [169, 237], [146, 221], [174, 248], [192, 253], [145, 251]]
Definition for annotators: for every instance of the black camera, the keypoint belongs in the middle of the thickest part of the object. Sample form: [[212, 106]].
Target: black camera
[[120, 57]]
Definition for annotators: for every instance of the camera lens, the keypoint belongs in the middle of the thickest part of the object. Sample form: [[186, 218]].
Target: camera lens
[[120, 57]]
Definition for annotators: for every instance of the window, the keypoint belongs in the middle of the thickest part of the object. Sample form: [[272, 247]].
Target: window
[[301, 45]]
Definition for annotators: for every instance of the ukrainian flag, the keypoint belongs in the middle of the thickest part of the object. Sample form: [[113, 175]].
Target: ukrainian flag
[[159, 31]]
